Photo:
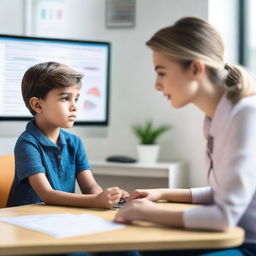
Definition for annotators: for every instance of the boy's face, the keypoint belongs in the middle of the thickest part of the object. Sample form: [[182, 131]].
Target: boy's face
[[59, 108]]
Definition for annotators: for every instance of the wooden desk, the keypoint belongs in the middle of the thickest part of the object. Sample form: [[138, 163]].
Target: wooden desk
[[20, 241]]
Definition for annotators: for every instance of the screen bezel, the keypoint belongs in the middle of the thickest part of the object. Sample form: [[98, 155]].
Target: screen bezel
[[107, 44]]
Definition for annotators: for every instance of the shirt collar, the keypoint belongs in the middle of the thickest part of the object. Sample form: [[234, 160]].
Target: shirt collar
[[216, 123], [44, 140]]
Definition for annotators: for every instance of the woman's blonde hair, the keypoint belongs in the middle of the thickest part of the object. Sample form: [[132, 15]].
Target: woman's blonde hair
[[192, 38]]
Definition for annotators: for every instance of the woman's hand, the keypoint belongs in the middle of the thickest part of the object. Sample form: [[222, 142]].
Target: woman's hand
[[138, 209], [109, 197], [145, 210], [150, 194]]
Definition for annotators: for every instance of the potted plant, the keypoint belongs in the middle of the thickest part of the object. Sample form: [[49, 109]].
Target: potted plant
[[148, 149]]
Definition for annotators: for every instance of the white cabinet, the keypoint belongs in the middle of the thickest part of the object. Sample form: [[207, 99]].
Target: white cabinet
[[136, 175]]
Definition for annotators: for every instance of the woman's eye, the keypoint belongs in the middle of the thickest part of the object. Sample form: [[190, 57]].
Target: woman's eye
[[76, 100], [161, 74]]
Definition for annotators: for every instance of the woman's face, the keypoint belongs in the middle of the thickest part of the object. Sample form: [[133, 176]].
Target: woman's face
[[176, 83]]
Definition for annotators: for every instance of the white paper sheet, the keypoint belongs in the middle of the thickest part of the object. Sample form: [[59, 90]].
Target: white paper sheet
[[63, 225]]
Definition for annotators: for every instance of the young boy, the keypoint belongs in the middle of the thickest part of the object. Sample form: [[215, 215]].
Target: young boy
[[48, 160]]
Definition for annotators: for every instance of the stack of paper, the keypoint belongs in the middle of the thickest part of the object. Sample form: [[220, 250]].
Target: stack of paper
[[63, 225]]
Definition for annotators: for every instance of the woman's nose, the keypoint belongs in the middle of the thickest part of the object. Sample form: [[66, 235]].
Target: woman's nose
[[158, 86]]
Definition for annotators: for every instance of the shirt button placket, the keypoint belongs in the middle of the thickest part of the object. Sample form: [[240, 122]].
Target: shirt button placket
[[59, 159]]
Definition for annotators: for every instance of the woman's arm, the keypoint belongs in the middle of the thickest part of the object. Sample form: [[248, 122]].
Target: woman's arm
[[106, 199], [172, 195]]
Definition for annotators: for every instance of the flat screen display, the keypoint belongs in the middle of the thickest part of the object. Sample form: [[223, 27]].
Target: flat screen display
[[91, 58]]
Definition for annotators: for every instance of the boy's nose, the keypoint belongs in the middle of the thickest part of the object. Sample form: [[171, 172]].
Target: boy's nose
[[74, 107]]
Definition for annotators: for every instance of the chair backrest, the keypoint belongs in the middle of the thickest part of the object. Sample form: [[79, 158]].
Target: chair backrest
[[6, 177]]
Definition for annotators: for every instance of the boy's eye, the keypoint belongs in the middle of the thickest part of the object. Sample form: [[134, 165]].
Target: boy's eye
[[64, 98], [76, 100]]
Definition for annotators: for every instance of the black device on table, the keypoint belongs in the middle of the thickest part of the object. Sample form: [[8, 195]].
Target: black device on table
[[120, 159]]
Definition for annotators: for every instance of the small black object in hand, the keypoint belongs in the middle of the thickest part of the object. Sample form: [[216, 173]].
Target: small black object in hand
[[121, 202]]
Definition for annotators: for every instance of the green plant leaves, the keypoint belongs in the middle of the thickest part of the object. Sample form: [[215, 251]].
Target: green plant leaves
[[147, 134]]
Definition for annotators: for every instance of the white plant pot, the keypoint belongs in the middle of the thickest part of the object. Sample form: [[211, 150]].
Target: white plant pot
[[147, 154]]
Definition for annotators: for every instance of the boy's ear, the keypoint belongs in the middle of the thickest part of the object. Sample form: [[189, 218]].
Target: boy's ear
[[198, 69], [35, 104]]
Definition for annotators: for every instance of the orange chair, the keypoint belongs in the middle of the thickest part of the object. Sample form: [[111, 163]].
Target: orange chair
[[6, 177]]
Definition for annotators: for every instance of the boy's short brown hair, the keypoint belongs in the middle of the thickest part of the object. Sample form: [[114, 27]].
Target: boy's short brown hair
[[41, 78]]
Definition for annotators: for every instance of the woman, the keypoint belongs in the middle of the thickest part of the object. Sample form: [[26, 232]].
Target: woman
[[188, 60]]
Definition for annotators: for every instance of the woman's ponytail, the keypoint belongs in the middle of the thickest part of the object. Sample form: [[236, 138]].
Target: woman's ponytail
[[238, 83]]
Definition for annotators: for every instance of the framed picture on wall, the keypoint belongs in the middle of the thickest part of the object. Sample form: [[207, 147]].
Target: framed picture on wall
[[120, 13], [46, 18]]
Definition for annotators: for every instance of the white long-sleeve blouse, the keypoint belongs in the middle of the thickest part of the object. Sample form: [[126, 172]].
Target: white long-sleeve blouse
[[230, 198]]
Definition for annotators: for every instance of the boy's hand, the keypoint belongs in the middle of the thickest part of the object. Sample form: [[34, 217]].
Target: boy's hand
[[109, 197], [150, 194], [125, 194]]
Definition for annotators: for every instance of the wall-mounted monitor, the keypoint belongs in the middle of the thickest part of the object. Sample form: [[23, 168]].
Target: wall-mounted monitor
[[91, 58]]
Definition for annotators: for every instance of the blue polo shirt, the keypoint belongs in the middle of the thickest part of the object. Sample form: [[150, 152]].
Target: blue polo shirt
[[35, 153]]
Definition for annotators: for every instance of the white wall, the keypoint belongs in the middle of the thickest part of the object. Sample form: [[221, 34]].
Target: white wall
[[226, 25], [133, 98], [11, 17]]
